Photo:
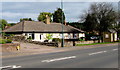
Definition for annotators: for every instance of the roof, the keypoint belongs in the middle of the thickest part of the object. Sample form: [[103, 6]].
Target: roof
[[112, 31], [35, 26]]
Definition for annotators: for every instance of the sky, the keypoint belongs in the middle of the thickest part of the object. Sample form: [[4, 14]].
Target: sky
[[12, 11]]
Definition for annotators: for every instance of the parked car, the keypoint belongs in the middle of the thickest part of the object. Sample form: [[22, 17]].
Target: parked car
[[94, 37]]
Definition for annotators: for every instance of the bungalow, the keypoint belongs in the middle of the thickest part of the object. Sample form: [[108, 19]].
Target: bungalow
[[38, 31], [110, 36]]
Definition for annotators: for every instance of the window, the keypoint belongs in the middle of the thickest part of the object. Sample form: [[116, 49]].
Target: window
[[25, 34], [61, 35], [30, 34], [76, 35], [69, 36], [106, 35]]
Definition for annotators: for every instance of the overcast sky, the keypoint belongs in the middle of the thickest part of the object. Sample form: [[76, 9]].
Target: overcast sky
[[13, 11]]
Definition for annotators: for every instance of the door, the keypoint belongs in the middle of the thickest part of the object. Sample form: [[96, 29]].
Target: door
[[33, 36]]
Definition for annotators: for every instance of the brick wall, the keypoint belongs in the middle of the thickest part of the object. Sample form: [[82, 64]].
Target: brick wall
[[9, 47]]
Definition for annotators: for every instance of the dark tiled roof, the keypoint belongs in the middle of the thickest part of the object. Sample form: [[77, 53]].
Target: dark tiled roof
[[35, 26], [112, 30]]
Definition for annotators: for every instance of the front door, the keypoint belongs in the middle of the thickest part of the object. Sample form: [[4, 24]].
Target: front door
[[33, 36]]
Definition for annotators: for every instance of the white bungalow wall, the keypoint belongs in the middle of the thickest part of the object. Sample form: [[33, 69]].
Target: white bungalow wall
[[54, 35], [111, 37], [81, 35], [115, 36], [39, 37]]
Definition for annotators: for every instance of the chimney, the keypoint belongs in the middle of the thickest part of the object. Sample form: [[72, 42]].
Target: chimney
[[47, 19], [65, 23]]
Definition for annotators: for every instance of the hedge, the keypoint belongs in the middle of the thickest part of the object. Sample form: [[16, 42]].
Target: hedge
[[3, 41]]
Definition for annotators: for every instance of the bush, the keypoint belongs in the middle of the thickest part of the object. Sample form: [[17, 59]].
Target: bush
[[118, 40], [29, 38], [81, 40], [49, 36], [56, 40], [2, 41], [8, 41], [46, 41]]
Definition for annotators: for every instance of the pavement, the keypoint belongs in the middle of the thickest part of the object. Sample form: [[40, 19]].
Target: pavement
[[101, 56], [32, 49]]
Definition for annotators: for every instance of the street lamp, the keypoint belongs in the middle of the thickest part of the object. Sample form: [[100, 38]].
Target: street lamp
[[62, 44]]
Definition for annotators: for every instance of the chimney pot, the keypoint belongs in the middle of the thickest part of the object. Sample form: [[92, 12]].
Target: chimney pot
[[47, 19]]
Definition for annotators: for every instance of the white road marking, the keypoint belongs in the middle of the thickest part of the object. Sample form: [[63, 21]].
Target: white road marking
[[58, 59], [115, 49], [10, 66], [97, 52]]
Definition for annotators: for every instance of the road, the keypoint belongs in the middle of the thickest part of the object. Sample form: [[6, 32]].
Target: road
[[100, 57]]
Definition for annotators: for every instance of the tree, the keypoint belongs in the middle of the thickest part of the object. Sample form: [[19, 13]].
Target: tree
[[26, 19], [42, 16], [3, 23], [116, 26], [49, 36], [101, 17], [90, 23], [12, 24], [76, 25], [57, 16]]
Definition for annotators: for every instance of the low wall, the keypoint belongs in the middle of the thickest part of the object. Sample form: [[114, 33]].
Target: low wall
[[68, 43], [10, 47], [15, 38], [86, 42]]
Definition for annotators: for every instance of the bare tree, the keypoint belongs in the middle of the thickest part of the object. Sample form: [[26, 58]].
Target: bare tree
[[103, 16]]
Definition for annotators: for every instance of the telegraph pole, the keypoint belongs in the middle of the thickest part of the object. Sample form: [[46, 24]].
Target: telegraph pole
[[62, 44]]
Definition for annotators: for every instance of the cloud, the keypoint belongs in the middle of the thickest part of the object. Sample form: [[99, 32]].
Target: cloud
[[9, 21], [30, 7], [15, 17], [10, 15], [13, 11], [17, 10]]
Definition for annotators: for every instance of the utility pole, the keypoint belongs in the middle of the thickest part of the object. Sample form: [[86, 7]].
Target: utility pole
[[62, 44]]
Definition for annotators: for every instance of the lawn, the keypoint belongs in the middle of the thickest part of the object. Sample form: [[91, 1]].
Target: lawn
[[95, 43]]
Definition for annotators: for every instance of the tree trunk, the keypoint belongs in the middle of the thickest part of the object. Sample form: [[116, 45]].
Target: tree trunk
[[100, 37]]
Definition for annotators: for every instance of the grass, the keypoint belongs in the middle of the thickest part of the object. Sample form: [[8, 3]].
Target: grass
[[94, 43]]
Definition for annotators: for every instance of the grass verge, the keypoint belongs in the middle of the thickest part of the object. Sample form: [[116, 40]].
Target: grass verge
[[95, 43]]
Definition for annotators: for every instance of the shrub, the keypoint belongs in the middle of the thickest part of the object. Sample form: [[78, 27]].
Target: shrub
[[49, 36], [46, 41], [8, 41], [81, 40], [56, 40], [29, 38], [2, 41], [118, 40]]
